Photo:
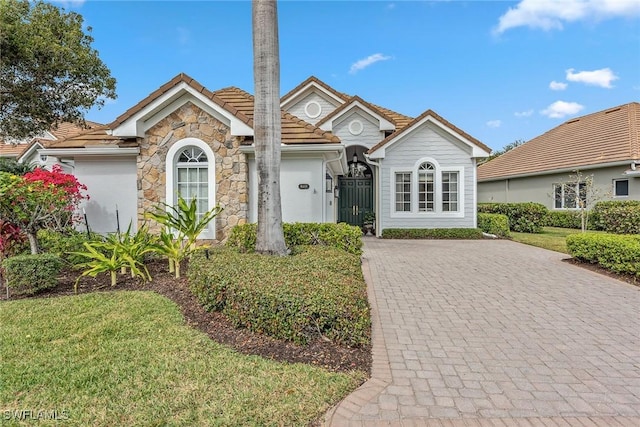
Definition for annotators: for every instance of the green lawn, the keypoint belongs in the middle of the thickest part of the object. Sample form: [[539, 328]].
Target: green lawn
[[128, 358], [551, 238]]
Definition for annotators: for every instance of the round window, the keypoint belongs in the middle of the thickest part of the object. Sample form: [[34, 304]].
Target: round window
[[355, 127], [312, 109]]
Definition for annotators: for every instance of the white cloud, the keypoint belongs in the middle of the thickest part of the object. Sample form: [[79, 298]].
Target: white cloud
[[364, 63], [527, 113], [551, 14], [602, 77], [494, 123], [554, 85], [560, 109]]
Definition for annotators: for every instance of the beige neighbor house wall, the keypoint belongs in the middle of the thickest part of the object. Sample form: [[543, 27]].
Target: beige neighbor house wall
[[231, 171], [540, 188]]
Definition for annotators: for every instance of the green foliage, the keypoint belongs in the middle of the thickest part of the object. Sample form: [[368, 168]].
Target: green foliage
[[341, 236], [49, 73], [65, 244], [564, 219], [432, 233], [523, 217], [616, 252], [182, 226], [619, 217], [13, 167], [29, 274], [497, 224], [318, 291]]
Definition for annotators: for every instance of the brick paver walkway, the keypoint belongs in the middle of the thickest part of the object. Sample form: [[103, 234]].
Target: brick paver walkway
[[476, 333]]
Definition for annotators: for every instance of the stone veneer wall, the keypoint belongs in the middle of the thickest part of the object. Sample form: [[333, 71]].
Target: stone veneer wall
[[231, 166]]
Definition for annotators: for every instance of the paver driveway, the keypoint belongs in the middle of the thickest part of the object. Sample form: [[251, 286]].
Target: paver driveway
[[495, 333]]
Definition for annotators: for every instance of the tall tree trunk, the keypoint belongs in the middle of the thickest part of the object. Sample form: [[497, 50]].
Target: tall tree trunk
[[33, 242], [267, 126]]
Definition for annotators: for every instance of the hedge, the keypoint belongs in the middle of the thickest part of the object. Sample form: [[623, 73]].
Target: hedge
[[523, 217], [29, 274], [616, 252], [432, 233], [566, 219], [317, 291], [341, 236], [619, 217], [496, 224]]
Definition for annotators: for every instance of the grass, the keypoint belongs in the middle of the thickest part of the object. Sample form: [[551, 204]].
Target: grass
[[128, 358], [552, 238]]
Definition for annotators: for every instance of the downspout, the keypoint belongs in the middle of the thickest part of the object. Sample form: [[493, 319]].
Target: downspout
[[377, 192], [324, 172]]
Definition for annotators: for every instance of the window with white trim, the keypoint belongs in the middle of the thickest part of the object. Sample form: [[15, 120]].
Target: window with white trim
[[403, 191], [450, 191], [192, 180], [621, 187], [426, 187], [571, 195]]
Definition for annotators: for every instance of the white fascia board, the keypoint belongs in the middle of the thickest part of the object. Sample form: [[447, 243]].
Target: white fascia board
[[383, 123], [309, 88], [557, 171], [29, 152], [136, 125], [299, 148], [90, 151]]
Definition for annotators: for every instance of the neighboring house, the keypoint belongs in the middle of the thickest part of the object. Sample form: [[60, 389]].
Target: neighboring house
[[603, 145], [341, 158]]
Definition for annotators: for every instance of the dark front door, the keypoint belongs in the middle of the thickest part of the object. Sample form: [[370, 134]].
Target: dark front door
[[356, 198]]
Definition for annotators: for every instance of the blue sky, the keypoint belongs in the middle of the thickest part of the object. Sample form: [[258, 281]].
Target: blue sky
[[499, 70]]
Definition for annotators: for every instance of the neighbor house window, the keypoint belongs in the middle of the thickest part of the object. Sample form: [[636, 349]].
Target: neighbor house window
[[192, 181], [403, 191], [620, 187], [449, 191], [426, 187], [570, 195]]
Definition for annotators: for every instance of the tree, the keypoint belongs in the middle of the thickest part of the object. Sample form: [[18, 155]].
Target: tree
[[579, 192], [49, 73], [267, 127], [508, 147]]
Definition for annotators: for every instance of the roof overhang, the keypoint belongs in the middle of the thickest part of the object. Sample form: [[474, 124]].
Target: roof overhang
[[476, 151], [90, 151], [33, 148], [568, 170], [168, 102], [384, 124], [310, 87]]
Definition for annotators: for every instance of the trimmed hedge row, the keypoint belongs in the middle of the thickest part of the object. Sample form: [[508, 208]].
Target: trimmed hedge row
[[317, 291], [615, 252], [497, 224], [29, 274], [523, 217], [620, 217], [566, 219], [341, 236], [432, 233]]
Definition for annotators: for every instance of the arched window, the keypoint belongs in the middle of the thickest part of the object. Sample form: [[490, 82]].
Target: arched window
[[190, 174], [426, 187]]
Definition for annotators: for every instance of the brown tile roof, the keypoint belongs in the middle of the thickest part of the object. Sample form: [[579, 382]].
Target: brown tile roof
[[348, 104], [319, 82], [400, 120], [12, 150], [99, 136], [294, 130], [417, 120], [606, 136], [64, 130]]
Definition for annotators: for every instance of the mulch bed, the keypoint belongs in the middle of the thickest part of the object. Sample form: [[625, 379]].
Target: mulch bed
[[319, 353]]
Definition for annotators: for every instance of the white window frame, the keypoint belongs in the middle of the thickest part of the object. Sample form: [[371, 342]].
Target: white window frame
[[170, 181], [437, 175], [395, 192], [613, 191], [563, 199]]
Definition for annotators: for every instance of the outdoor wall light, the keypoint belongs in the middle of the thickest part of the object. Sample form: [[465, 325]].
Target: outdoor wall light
[[336, 192], [329, 183]]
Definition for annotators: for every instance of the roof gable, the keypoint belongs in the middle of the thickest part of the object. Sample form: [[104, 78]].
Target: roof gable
[[312, 84], [603, 137], [385, 123], [172, 95], [429, 116]]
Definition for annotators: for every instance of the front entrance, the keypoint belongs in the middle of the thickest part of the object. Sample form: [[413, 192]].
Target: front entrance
[[356, 199]]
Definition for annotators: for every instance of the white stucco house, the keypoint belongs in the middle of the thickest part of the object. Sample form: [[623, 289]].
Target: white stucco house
[[342, 157]]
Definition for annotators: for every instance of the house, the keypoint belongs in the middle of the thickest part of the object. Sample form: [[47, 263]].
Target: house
[[604, 146], [342, 158]]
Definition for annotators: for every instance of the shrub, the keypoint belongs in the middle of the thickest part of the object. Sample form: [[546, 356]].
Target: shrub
[[319, 291], [65, 243], [523, 217], [619, 217], [564, 219], [615, 252], [28, 274], [497, 224], [432, 233], [341, 236]]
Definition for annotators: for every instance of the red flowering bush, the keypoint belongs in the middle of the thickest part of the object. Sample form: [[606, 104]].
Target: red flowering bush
[[11, 238], [40, 199]]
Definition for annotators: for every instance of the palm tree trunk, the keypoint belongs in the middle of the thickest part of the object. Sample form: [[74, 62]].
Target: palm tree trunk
[[267, 126]]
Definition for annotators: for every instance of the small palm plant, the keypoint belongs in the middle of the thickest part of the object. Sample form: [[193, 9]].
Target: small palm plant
[[182, 226]]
